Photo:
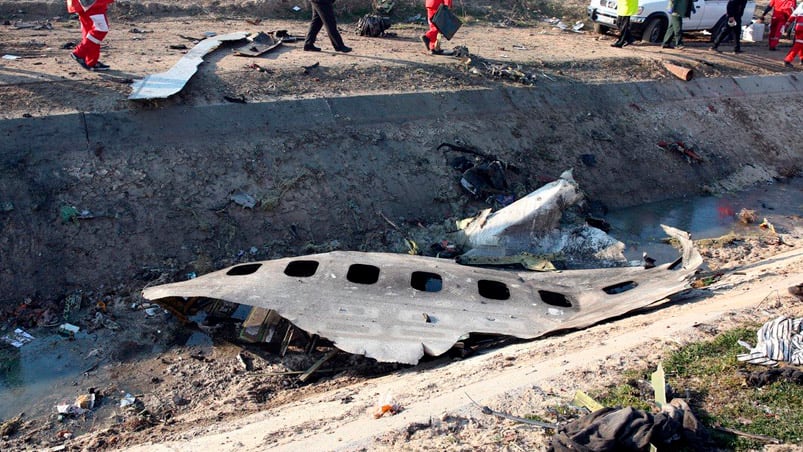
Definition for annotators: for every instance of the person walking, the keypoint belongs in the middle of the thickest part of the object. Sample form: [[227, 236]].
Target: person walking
[[625, 9], [94, 27], [430, 38], [323, 15], [796, 20], [733, 11], [781, 11], [678, 9]]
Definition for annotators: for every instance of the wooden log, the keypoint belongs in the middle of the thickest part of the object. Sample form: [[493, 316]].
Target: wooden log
[[680, 72]]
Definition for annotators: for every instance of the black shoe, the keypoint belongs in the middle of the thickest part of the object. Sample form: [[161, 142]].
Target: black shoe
[[738, 51], [436, 52], [80, 61], [100, 67], [666, 46], [788, 64], [311, 48], [715, 49], [618, 44], [425, 41], [343, 49], [680, 47]]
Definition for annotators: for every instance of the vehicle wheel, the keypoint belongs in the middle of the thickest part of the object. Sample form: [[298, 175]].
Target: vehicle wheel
[[600, 29], [654, 31], [719, 28]]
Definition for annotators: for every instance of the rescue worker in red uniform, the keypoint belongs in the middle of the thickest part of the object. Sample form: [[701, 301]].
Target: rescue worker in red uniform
[[797, 47], [781, 10], [430, 38], [94, 27]]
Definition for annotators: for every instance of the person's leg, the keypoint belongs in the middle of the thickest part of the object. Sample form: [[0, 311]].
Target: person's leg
[[775, 30], [432, 33], [314, 27], [679, 31], [97, 27], [672, 31], [326, 11], [720, 36], [623, 23], [629, 39], [736, 33], [790, 57]]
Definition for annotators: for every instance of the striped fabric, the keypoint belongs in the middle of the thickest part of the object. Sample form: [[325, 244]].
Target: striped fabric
[[778, 340]]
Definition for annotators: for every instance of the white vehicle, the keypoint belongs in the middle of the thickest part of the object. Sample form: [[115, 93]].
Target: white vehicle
[[651, 19]]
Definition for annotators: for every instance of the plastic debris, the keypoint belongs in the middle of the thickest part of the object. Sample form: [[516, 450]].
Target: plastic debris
[[11, 57], [767, 226], [778, 340], [69, 330], [243, 199], [17, 338], [296, 8], [127, 400], [386, 405]]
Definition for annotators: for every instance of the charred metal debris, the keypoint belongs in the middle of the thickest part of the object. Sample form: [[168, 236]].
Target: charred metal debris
[[398, 308]]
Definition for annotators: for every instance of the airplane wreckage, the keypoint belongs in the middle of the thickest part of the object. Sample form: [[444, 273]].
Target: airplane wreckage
[[397, 308]]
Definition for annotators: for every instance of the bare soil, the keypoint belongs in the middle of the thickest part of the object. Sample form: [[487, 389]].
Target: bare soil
[[197, 397]]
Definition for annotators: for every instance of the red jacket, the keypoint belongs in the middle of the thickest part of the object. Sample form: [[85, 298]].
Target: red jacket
[[782, 6], [434, 4], [80, 6]]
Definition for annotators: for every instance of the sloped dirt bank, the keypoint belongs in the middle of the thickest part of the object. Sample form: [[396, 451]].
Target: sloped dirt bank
[[152, 191]]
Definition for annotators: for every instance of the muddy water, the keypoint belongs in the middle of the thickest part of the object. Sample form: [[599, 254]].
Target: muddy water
[[51, 367], [705, 217]]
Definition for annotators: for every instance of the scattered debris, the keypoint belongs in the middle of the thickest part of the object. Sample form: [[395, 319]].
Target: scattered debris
[[17, 338], [258, 45], [127, 400], [11, 426], [747, 216], [770, 376], [766, 225], [11, 57], [371, 303], [314, 368], [531, 225], [243, 199], [778, 340], [387, 406], [235, 100], [610, 429], [312, 66], [764, 438], [680, 72], [165, 84], [796, 290], [487, 410], [681, 148], [82, 404], [69, 330], [372, 25]]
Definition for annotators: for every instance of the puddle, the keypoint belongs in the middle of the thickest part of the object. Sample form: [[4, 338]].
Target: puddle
[[46, 366], [639, 228]]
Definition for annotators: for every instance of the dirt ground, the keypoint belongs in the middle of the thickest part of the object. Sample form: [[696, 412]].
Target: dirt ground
[[193, 393], [46, 81]]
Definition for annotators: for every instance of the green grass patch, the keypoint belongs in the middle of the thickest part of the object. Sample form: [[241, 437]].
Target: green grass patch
[[709, 372]]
